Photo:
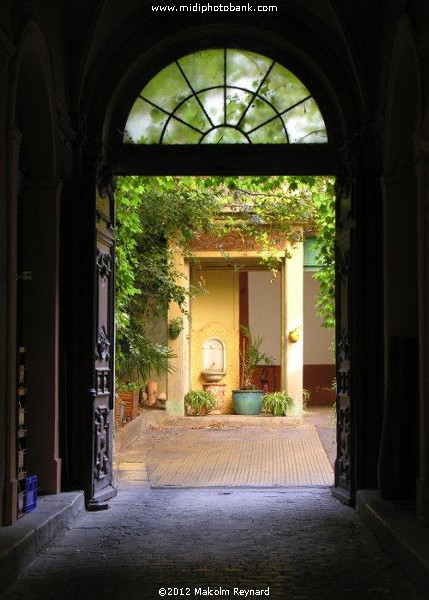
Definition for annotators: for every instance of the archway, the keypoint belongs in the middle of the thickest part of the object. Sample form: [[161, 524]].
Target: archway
[[34, 258], [401, 288], [152, 108], [340, 107]]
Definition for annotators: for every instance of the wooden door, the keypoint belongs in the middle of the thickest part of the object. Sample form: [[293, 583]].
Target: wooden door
[[103, 377], [344, 464]]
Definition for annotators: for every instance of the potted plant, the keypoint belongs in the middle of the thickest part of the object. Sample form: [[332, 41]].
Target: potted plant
[[136, 358], [277, 403], [248, 399], [199, 402], [127, 402]]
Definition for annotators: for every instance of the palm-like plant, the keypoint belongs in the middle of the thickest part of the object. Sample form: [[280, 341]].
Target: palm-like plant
[[137, 357], [277, 403], [196, 400], [251, 356]]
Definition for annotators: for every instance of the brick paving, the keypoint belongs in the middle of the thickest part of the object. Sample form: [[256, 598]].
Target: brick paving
[[293, 543]]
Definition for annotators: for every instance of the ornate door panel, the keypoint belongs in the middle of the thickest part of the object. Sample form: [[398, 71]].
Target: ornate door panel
[[103, 376], [344, 468]]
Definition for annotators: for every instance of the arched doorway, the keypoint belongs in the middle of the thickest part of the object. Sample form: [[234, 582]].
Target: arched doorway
[[245, 158], [401, 325], [33, 319]]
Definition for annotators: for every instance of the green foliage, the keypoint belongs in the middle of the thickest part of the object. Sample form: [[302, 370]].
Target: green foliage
[[277, 403], [150, 212], [224, 85], [138, 357], [175, 327], [160, 216], [195, 400], [324, 202], [251, 357], [305, 398]]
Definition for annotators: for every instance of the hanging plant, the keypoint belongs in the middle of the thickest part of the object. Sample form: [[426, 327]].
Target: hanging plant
[[175, 327]]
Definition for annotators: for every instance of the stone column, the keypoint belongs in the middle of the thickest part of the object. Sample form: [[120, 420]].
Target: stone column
[[8, 159], [423, 278], [40, 328], [400, 254], [397, 465], [178, 380], [293, 316], [10, 303]]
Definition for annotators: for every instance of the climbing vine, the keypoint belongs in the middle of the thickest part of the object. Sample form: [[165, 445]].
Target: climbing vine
[[159, 216]]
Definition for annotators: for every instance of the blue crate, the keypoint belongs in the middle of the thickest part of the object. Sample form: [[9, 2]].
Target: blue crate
[[30, 493]]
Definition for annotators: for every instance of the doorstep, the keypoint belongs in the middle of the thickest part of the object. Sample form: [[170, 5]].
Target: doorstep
[[21, 542], [399, 533]]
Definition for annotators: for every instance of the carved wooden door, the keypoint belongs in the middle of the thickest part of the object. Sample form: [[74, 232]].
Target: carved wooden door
[[103, 377], [344, 464]]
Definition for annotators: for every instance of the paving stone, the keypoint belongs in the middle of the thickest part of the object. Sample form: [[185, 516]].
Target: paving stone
[[299, 542]]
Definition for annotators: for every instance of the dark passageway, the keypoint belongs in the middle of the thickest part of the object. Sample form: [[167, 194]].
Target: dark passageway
[[161, 533], [310, 87], [300, 543]]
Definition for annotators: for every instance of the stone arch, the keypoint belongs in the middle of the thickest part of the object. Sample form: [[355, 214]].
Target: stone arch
[[110, 84], [34, 257], [403, 106], [32, 104], [109, 87], [398, 460], [402, 122]]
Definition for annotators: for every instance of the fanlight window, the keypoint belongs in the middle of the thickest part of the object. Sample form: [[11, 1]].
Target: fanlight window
[[225, 96]]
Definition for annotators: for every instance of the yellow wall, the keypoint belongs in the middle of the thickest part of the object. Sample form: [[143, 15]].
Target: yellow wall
[[216, 314]]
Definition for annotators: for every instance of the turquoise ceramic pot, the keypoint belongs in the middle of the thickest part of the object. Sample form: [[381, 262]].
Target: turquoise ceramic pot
[[247, 402]]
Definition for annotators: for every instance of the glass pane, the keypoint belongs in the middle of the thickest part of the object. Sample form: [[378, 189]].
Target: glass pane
[[204, 69], [144, 124], [167, 89], [271, 133], [178, 133], [282, 88], [305, 124], [246, 69], [236, 103], [245, 73], [258, 113], [192, 113], [225, 135], [213, 103]]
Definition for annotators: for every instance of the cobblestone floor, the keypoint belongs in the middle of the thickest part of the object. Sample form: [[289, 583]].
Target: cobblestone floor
[[300, 543], [285, 543]]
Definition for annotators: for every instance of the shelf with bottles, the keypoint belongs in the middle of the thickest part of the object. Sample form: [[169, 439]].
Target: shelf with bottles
[[21, 498], [21, 432]]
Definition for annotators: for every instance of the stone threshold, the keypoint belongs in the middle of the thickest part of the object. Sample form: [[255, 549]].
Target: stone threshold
[[21, 542], [399, 533]]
